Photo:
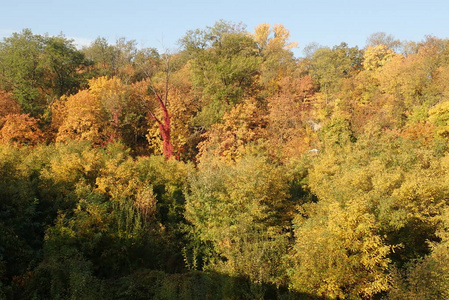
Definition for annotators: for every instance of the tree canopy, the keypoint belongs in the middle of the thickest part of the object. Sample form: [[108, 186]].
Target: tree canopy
[[228, 169]]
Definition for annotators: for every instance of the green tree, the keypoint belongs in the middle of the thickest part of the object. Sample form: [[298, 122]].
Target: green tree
[[64, 66], [428, 277], [22, 70], [330, 66], [242, 212], [225, 64], [124, 59], [39, 69], [101, 53]]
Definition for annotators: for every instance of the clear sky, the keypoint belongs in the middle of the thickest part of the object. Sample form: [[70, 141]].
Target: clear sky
[[161, 23]]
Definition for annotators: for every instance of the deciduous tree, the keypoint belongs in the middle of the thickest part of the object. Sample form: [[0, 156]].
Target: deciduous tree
[[39, 69], [225, 64]]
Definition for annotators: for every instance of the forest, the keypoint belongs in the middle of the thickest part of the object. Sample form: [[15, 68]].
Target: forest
[[227, 169]]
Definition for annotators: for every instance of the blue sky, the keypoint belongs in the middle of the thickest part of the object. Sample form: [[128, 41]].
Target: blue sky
[[161, 23]]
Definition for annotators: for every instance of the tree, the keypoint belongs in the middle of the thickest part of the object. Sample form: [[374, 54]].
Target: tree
[[427, 277], [412, 84], [83, 119], [64, 66], [8, 105], [381, 38], [94, 114], [288, 132], [242, 128], [225, 64], [102, 55], [123, 60], [38, 69], [167, 100], [241, 212], [22, 70], [158, 88], [20, 129], [439, 116], [16, 128], [275, 50], [330, 66], [338, 252], [376, 57]]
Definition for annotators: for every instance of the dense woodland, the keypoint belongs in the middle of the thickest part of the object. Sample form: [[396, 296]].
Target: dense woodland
[[228, 169]]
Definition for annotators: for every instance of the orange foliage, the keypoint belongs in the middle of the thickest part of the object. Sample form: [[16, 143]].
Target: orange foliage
[[288, 132], [16, 128], [20, 129], [424, 132], [8, 105]]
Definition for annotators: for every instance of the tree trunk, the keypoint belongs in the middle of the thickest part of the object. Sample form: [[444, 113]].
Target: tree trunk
[[165, 131]]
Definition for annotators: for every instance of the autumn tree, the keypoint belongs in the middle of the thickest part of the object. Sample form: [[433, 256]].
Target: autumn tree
[[288, 131], [338, 252], [275, 50], [378, 192], [243, 127], [94, 114], [375, 57], [160, 93], [17, 128], [382, 38], [20, 129], [167, 100], [8, 105]]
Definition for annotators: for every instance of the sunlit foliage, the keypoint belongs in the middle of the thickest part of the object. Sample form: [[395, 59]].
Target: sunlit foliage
[[230, 169]]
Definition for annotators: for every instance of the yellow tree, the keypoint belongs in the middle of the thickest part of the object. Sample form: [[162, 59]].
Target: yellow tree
[[82, 119], [111, 93], [439, 116], [413, 81], [93, 114], [242, 127], [376, 57], [275, 49], [166, 100], [338, 252], [362, 97]]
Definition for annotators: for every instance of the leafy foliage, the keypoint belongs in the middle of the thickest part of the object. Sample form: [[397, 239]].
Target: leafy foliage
[[227, 170]]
